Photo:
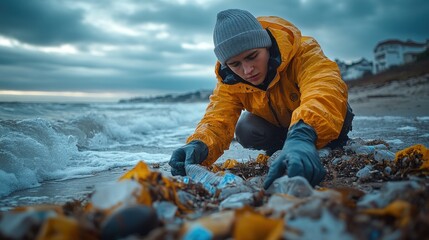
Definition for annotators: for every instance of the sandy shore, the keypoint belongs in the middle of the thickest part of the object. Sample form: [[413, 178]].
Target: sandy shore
[[408, 98]]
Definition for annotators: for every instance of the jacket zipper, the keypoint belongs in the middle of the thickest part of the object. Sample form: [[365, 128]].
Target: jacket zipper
[[272, 109]]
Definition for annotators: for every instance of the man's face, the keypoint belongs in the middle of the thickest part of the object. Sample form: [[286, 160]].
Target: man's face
[[251, 65]]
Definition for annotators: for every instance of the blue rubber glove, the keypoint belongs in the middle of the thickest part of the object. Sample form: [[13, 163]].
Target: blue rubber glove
[[195, 152], [299, 157]]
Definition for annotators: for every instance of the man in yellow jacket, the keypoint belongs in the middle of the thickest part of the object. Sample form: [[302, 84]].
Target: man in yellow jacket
[[293, 96]]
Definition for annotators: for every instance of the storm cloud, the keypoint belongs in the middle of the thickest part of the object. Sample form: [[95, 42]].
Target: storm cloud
[[152, 47]]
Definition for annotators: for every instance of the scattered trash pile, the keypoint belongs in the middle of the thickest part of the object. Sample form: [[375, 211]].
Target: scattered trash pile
[[369, 193]]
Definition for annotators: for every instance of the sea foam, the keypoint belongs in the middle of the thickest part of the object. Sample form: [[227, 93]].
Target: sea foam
[[66, 141], [30, 151]]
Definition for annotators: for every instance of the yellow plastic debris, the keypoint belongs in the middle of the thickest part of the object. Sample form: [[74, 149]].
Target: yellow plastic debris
[[154, 186], [399, 209], [262, 159], [415, 152], [229, 163], [62, 228], [218, 225], [140, 171], [250, 225]]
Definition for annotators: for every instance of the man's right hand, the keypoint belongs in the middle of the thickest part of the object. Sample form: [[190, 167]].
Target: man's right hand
[[299, 156], [195, 152]]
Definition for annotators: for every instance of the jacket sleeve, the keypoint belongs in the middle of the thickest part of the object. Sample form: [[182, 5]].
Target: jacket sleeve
[[216, 128], [323, 93]]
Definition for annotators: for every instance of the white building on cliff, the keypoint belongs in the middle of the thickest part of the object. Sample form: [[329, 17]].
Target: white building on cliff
[[354, 70], [395, 52]]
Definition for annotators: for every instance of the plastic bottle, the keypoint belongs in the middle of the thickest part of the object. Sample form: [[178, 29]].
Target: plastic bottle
[[364, 173], [366, 150], [229, 179], [384, 155], [200, 174], [296, 186]]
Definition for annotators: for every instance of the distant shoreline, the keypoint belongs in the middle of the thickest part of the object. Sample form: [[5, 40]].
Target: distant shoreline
[[408, 98]]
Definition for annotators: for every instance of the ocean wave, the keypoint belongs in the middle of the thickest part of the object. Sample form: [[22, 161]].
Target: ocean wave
[[73, 143], [377, 118], [29, 151]]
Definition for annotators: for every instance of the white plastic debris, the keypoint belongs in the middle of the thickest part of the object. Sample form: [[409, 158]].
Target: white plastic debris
[[366, 150], [364, 173], [384, 155], [122, 192], [238, 200], [327, 227], [279, 203], [165, 210], [390, 192], [338, 160], [210, 180], [230, 179], [358, 146], [228, 191], [200, 174], [296, 186], [257, 182]]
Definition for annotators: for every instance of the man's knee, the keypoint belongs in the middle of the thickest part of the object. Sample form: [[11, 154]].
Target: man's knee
[[255, 132], [247, 131]]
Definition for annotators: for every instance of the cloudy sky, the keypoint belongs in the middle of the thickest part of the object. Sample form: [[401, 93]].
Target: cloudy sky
[[64, 50]]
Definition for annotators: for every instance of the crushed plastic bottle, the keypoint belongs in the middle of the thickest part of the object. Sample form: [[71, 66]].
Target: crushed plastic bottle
[[367, 150], [210, 180], [238, 200], [364, 173], [228, 191], [200, 174], [229, 179], [296, 186], [384, 155], [338, 160], [257, 182]]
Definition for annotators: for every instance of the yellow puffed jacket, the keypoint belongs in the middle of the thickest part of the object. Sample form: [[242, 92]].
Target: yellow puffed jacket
[[307, 86]]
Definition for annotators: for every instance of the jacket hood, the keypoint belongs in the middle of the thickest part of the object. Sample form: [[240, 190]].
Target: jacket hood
[[288, 38]]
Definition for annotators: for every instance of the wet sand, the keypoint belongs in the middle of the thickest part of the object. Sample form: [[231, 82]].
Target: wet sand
[[407, 98]]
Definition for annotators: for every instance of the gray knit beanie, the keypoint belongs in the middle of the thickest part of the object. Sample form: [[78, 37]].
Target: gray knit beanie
[[237, 31]]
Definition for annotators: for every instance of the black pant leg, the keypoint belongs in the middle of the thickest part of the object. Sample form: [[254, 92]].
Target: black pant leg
[[255, 132]]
